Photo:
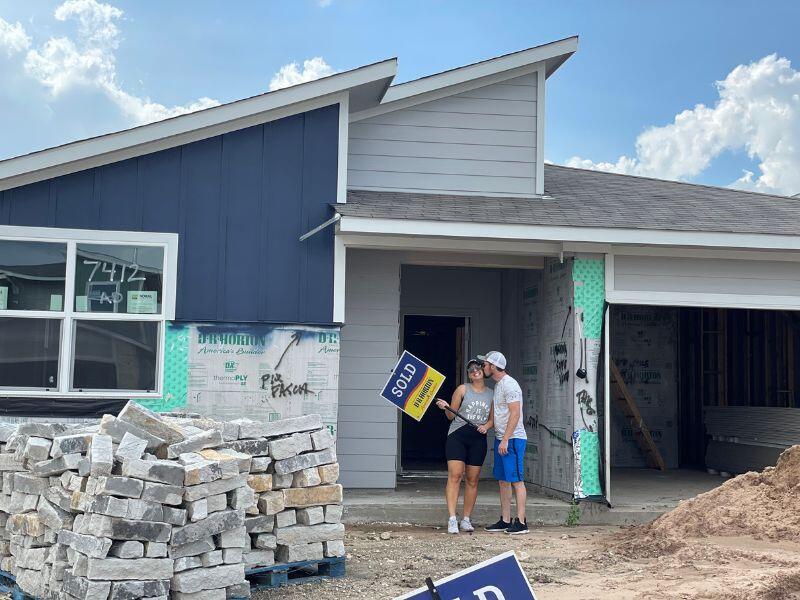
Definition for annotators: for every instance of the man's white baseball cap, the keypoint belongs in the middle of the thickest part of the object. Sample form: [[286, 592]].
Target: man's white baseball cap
[[494, 357]]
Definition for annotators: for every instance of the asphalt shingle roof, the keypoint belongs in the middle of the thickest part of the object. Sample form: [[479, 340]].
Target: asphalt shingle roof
[[582, 198]]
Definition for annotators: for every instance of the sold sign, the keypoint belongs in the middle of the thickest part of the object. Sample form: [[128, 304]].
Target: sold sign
[[412, 386], [499, 578]]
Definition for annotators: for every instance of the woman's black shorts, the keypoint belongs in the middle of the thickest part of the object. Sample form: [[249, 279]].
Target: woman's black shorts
[[467, 445]]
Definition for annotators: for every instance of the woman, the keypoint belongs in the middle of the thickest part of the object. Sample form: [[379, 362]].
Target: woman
[[466, 446]]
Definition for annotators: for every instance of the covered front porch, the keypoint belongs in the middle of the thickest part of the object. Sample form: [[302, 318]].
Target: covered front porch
[[446, 298], [640, 496]]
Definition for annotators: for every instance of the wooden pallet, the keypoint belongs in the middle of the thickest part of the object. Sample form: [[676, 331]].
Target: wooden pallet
[[294, 573], [640, 430]]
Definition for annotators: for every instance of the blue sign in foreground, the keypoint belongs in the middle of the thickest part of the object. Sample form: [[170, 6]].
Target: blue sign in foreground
[[499, 578]]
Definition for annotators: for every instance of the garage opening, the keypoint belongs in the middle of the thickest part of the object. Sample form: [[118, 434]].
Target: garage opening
[[716, 390]]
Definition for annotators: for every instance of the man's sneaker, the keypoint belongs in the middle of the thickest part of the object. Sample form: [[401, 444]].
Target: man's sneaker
[[466, 525], [498, 527], [452, 525], [518, 528]]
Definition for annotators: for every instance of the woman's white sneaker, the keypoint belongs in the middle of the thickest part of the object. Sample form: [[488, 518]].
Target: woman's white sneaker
[[452, 525], [466, 525]]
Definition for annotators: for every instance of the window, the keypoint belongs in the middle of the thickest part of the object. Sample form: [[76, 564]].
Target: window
[[84, 312], [29, 353], [32, 275], [125, 279], [112, 355]]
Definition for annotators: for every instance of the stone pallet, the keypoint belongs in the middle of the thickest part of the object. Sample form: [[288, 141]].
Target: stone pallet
[[260, 578], [144, 505], [295, 573]]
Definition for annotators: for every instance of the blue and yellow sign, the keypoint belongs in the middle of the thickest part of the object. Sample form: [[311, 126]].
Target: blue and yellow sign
[[499, 578], [412, 386]]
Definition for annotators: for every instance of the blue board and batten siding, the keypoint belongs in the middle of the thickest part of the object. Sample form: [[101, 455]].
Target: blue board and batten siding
[[238, 201]]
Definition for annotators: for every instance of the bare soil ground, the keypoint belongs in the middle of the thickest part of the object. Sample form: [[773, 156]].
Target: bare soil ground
[[740, 541], [563, 563]]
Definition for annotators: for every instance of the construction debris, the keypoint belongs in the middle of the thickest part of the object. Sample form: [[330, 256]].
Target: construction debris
[[144, 505]]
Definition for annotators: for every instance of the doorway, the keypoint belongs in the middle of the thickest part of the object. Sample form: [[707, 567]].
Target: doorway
[[441, 342]]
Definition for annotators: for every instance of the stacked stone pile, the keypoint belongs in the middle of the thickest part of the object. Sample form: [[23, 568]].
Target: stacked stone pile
[[144, 505]]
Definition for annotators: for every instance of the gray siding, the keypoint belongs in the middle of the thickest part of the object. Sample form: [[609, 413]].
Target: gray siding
[[481, 141], [706, 276], [367, 435]]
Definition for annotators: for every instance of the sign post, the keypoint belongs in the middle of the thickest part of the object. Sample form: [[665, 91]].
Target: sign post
[[412, 386], [499, 578]]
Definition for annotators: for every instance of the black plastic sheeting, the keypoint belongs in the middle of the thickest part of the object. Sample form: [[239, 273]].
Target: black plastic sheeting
[[81, 408]]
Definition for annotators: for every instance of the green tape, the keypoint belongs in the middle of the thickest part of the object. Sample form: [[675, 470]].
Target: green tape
[[590, 293], [176, 371]]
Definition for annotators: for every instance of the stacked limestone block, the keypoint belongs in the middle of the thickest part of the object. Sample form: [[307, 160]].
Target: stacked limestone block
[[34, 508], [8, 466], [150, 506], [299, 509]]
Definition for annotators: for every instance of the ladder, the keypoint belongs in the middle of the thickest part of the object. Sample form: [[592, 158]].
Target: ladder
[[641, 433]]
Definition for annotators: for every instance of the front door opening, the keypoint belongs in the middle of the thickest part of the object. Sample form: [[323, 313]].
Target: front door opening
[[440, 342]]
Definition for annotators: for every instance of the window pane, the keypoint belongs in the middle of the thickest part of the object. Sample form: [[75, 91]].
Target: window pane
[[121, 279], [115, 355], [29, 352], [32, 275]]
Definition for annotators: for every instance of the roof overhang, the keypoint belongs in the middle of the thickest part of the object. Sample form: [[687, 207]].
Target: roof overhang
[[363, 87], [547, 57], [464, 235]]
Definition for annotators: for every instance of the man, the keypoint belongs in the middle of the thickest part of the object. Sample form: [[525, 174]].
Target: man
[[509, 444]]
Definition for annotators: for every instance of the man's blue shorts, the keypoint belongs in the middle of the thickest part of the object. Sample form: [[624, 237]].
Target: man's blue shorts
[[509, 467]]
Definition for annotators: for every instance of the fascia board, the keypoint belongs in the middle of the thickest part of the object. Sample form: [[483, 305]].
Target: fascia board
[[482, 69], [543, 59], [179, 130], [598, 235]]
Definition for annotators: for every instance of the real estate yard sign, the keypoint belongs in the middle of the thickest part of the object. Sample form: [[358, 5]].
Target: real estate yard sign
[[499, 578], [412, 386]]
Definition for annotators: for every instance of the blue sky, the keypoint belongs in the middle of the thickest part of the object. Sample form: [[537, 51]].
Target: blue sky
[[640, 64]]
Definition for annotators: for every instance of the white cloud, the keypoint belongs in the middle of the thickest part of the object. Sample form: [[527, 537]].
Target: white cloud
[[96, 20], [90, 61], [324, 3], [67, 87], [13, 37], [80, 70], [758, 110], [291, 74]]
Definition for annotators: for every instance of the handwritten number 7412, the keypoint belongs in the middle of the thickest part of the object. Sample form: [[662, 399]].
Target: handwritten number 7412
[[111, 269]]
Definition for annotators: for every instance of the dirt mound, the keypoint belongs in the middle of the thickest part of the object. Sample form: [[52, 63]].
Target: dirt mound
[[763, 505]]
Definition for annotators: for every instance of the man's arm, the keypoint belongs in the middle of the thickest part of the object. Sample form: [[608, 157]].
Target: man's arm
[[513, 419]]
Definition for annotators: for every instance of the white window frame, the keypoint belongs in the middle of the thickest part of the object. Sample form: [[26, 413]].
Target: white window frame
[[68, 315]]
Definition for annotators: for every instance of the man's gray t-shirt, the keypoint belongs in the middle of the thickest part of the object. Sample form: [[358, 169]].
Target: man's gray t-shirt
[[507, 391]]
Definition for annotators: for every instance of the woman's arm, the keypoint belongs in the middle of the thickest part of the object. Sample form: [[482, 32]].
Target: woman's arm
[[455, 402]]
